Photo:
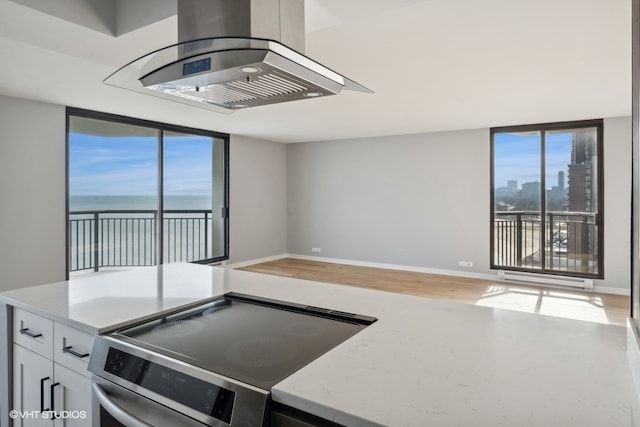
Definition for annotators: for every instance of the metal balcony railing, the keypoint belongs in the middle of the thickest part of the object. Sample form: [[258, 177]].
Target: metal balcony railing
[[569, 245], [127, 238]]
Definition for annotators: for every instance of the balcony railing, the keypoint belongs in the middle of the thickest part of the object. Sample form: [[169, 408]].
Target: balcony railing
[[127, 238], [570, 241]]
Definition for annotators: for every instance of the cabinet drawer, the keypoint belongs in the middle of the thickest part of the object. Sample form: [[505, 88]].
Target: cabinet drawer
[[33, 332], [72, 348]]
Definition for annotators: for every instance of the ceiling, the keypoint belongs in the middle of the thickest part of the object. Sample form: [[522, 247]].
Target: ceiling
[[435, 65]]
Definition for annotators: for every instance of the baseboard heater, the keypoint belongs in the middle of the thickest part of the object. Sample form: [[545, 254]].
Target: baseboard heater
[[539, 279]]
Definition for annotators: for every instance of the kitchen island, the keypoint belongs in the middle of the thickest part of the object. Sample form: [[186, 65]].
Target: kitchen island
[[424, 362]]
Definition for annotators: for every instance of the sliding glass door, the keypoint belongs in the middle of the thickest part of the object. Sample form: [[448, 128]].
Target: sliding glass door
[[142, 193], [547, 199], [194, 198]]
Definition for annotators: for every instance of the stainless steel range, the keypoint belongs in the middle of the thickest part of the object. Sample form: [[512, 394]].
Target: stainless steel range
[[214, 364]]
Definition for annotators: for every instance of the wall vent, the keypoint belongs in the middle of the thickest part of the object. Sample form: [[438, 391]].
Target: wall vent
[[540, 279]]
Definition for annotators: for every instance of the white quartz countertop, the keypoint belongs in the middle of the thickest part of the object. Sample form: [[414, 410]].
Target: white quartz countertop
[[105, 301], [423, 363]]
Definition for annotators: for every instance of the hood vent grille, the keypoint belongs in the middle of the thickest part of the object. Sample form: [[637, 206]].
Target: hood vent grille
[[215, 94], [268, 85], [239, 93]]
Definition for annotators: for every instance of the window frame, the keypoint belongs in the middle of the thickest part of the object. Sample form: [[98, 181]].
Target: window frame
[[162, 128], [543, 128]]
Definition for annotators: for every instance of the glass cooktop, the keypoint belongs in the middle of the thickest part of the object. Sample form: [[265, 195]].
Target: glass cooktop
[[253, 340]]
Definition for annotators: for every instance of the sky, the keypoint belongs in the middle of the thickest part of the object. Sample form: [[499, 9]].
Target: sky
[[128, 165], [517, 156]]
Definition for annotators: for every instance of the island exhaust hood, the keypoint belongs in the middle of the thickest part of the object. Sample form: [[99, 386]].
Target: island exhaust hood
[[234, 54]]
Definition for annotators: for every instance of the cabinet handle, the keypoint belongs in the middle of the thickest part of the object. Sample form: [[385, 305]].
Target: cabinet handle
[[52, 391], [27, 332], [69, 349], [42, 380]]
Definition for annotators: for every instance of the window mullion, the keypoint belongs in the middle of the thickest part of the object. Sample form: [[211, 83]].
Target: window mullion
[[543, 201], [160, 216]]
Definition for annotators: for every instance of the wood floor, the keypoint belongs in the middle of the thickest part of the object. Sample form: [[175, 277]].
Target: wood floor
[[567, 303]]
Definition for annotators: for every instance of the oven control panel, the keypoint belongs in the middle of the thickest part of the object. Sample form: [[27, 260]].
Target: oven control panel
[[199, 395]]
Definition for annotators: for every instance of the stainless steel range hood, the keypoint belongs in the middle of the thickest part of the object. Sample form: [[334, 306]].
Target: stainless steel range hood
[[234, 54]]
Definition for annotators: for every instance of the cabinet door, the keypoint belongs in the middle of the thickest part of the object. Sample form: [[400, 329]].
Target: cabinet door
[[32, 379], [72, 398]]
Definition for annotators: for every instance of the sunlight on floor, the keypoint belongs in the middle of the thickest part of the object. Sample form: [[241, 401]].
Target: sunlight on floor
[[549, 302]]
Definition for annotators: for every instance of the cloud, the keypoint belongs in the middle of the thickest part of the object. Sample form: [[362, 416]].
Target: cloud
[[129, 166]]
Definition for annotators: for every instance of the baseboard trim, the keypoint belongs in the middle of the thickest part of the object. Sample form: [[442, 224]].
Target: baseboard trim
[[482, 276], [610, 290], [395, 267], [241, 264], [633, 354]]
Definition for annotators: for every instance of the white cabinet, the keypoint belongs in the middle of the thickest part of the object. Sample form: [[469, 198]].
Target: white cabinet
[[72, 348], [50, 373], [33, 332], [32, 375], [73, 396]]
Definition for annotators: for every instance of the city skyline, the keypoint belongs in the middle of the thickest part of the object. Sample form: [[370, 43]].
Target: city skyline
[[517, 157], [519, 186]]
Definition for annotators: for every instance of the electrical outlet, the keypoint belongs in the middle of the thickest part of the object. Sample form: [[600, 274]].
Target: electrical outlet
[[465, 263], [316, 249]]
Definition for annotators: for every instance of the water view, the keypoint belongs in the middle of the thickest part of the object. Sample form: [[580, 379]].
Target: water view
[[118, 173]]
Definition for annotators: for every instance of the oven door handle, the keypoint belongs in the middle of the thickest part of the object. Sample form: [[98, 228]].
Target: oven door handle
[[116, 411]]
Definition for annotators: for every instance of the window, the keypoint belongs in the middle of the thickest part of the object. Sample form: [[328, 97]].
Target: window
[[547, 198], [143, 193]]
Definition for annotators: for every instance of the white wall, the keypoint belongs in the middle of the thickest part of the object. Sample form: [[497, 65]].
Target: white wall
[[32, 193], [414, 200], [617, 204], [422, 201], [257, 210]]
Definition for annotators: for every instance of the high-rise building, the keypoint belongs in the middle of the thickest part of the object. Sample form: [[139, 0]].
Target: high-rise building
[[582, 193], [557, 195], [560, 179]]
